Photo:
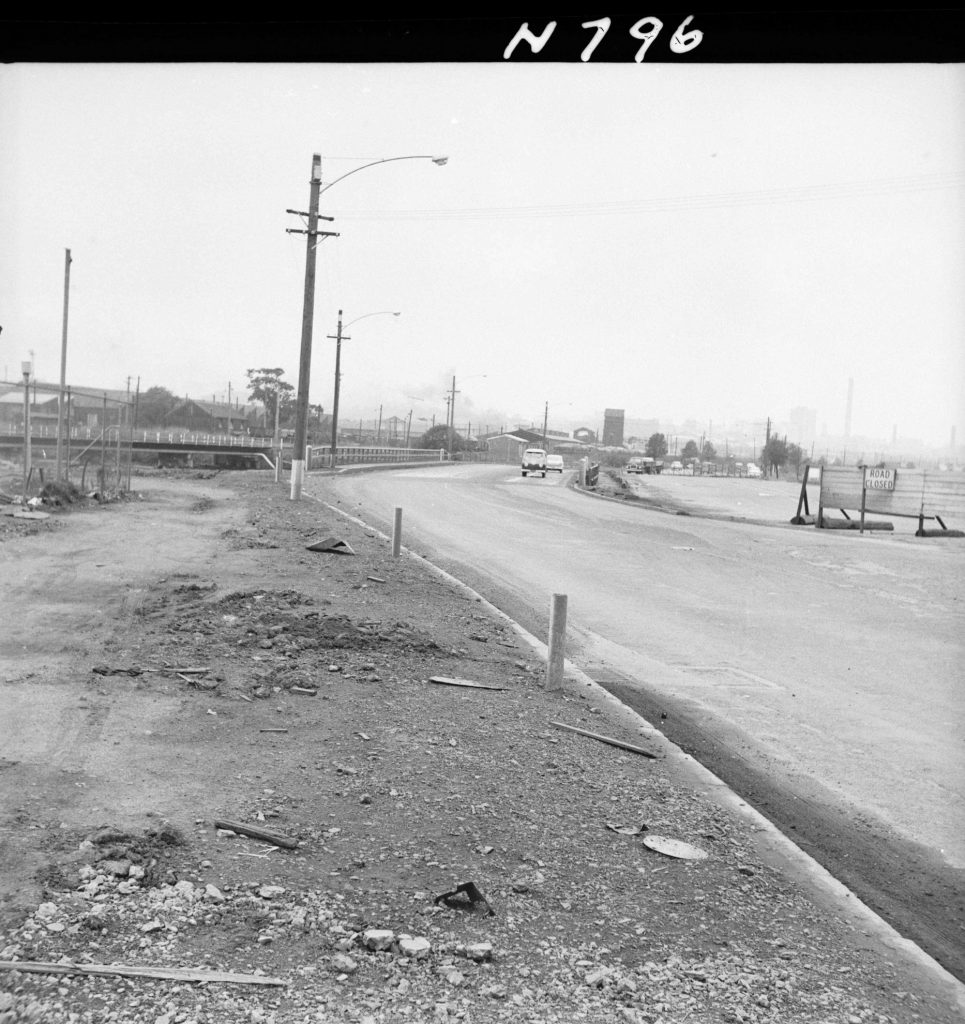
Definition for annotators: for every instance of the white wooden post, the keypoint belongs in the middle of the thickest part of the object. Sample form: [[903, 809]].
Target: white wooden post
[[554, 661], [397, 533]]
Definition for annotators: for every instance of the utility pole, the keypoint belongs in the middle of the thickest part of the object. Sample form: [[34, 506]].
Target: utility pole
[[378, 436], [313, 235], [451, 418], [546, 414], [338, 336], [63, 364]]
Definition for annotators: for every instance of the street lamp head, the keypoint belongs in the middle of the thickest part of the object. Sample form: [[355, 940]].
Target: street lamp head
[[440, 161]]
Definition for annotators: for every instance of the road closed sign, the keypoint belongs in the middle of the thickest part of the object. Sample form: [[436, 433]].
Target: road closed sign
[[877, 479]]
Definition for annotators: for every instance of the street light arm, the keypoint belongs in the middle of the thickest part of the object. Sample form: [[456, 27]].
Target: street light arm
[[438, 160], [380, 312]]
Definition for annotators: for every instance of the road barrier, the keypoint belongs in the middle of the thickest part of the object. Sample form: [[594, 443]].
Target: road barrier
[[589, 473], [906, 493]]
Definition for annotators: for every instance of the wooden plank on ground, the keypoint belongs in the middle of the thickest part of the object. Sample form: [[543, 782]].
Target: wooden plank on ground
[[120, 971], [469, 683], [257, 833], [606, 739]]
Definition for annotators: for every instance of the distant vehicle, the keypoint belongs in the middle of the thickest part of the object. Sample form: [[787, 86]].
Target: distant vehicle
[[534, 461], [753, 470], [676, 466], [554, 463], [644, 464]]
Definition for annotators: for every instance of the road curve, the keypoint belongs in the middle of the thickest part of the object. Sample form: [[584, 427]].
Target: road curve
[[817, 674]]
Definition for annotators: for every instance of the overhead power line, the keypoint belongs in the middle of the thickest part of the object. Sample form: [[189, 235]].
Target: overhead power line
[[667, 204]]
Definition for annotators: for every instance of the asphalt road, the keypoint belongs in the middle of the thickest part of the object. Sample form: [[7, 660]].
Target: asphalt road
[[819, 673]]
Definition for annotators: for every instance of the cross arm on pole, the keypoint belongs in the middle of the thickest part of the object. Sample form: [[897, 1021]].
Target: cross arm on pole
[[301, 213], [315, 234]]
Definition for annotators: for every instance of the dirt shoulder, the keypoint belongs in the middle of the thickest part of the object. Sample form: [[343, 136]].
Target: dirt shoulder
[[314, 716]]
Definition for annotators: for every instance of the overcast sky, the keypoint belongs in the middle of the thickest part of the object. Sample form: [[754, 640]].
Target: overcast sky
[[721, 242]]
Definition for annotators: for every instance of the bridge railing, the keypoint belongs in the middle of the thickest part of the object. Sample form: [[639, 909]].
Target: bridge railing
[[47, 431], [321, 457]]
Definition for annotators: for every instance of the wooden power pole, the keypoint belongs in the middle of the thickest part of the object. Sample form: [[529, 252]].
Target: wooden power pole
[[313, 235], [63, 367]]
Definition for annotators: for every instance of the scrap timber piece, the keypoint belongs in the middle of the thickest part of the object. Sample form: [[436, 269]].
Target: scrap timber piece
[[332, 545], [451, 681], [258, 833], [473, 899], [121, 971], [606, 739]]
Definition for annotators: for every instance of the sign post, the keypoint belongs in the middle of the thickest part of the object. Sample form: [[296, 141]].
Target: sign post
[[875, 478]]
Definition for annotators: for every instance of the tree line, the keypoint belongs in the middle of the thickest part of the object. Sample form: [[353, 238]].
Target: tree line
[[775, 454]]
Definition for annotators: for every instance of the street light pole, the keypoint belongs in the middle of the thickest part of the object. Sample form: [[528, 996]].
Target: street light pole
[[338, 375], [308, 316], [339, 338], [308, 309], [546, 414]]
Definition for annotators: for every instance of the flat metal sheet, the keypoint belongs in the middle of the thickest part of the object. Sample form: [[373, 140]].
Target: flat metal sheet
[[675, 848]]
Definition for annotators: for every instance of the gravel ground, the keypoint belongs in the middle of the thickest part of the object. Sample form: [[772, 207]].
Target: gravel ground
[[326, 729]]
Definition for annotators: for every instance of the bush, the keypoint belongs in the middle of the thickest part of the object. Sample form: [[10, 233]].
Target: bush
[[616, 458], [58, 493]]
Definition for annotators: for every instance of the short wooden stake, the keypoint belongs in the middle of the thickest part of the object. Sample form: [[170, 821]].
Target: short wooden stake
[[554, 662], [397, 533]]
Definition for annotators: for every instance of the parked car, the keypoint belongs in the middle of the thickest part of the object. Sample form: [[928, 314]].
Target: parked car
[[753, 470], [676, 466], [636, 465], [534, 461], [554, 463]]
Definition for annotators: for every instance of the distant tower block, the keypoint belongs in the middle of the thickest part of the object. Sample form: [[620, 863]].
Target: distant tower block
[[613, 426], [847, 414]]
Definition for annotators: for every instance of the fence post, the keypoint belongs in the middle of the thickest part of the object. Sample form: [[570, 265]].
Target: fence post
[[67, 464], [103, 479], [397, 532], [864, 494], [557, 638]]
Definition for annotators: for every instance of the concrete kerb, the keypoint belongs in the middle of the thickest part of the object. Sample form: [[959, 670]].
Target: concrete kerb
[[799, 864], [634, 501]]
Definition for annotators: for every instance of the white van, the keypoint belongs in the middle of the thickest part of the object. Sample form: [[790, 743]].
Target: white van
[[534, 461]]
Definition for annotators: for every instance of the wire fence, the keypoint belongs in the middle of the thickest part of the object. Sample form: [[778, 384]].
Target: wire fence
[[51, 438]]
